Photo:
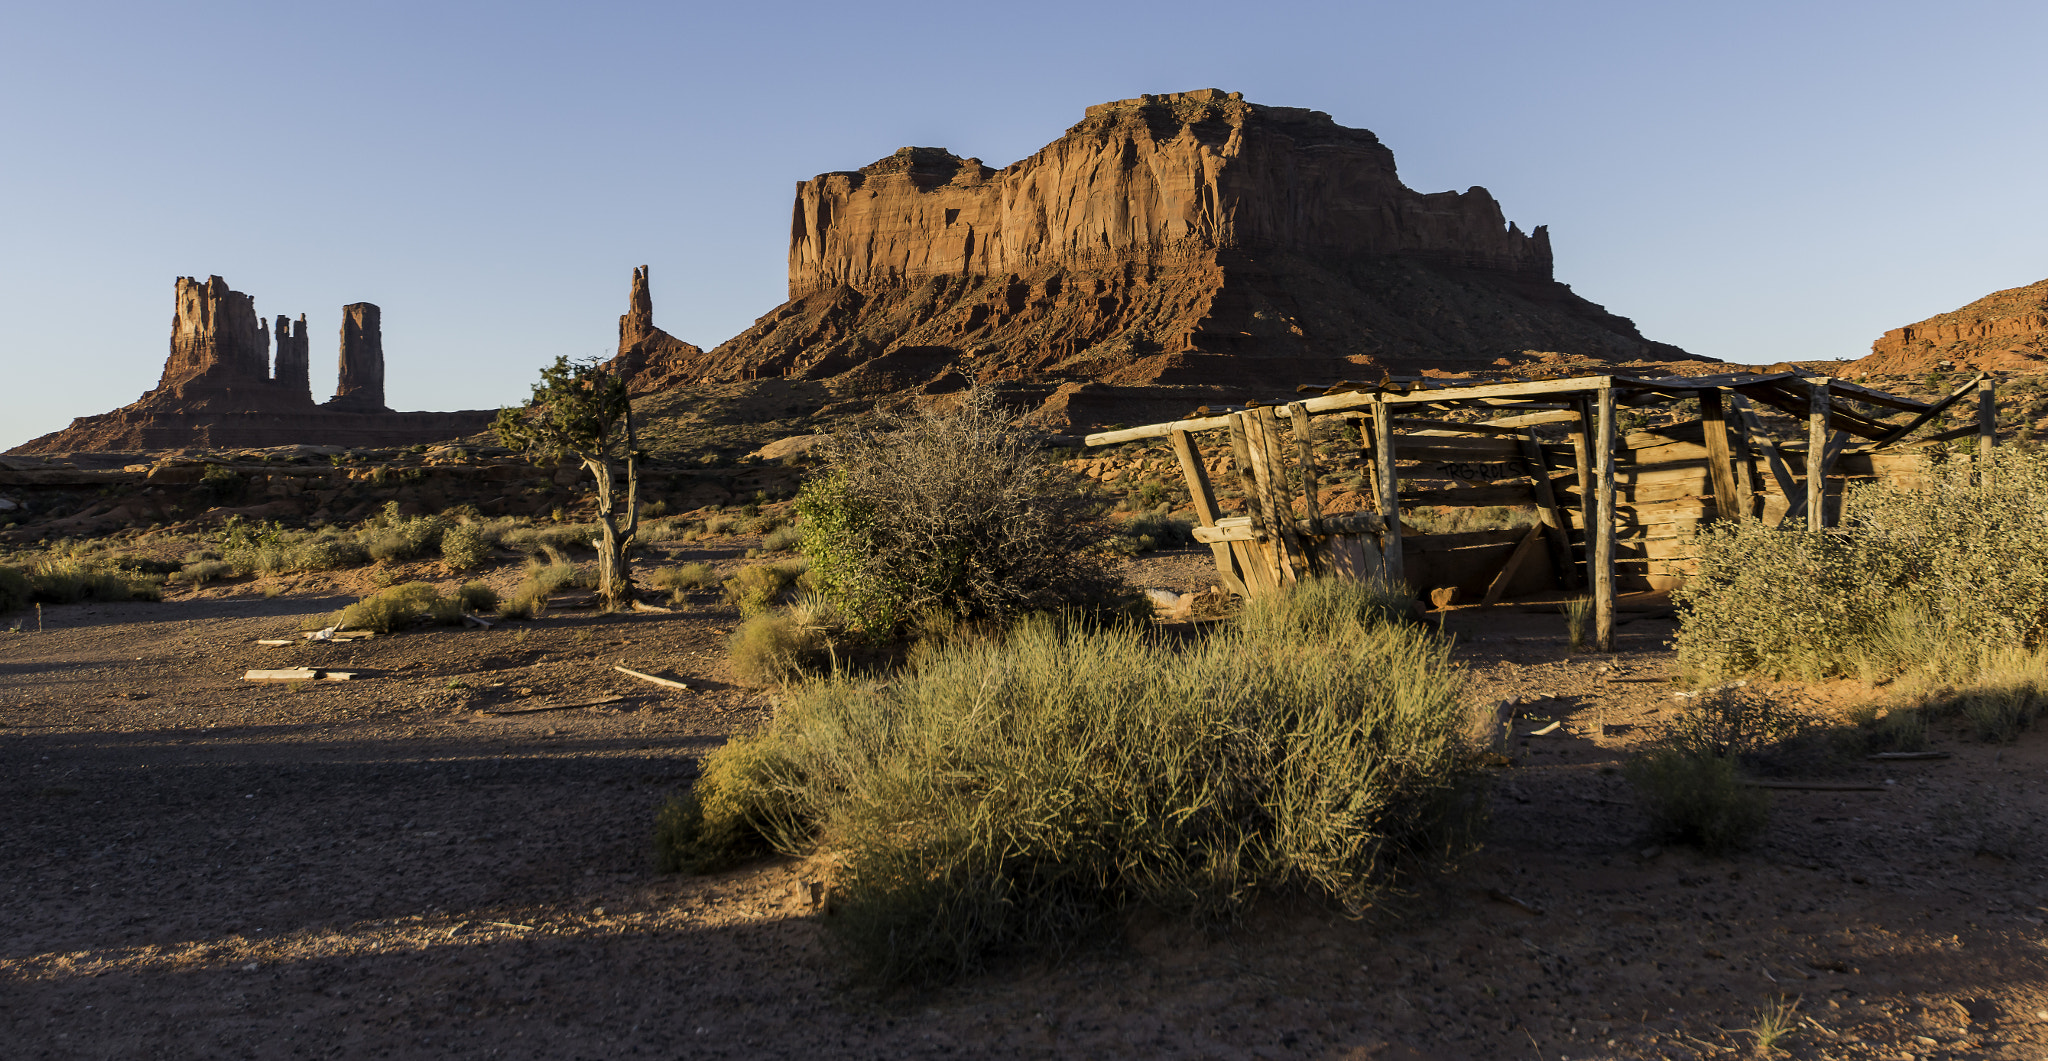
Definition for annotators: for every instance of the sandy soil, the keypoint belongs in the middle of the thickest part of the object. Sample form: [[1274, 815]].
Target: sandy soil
[[196, 866]]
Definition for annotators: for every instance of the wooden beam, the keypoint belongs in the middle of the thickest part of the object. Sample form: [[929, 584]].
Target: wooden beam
[[1552, 518], [1197, 477], [1582, 466], [1761, 440], [1549, 416], [1930, 413], [1305, 455], [1390, 500], [1799, 507], [1294, 559], [1499, 585], [1816, 454], [1259, 576], [1603, 532], [1987, 427], [1728, 503]]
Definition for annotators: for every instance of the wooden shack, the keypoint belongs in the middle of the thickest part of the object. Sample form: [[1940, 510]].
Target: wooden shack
[[1556, 446]]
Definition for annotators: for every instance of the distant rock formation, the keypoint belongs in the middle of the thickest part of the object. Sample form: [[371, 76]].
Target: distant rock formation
[[2005, 331], [219, 389], [1188, 239], [360, 385], [649, 358]]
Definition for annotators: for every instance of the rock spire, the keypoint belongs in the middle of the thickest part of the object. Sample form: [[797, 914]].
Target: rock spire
[[360, 385]]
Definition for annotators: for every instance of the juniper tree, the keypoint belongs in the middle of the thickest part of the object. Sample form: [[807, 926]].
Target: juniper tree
[[580, 412]]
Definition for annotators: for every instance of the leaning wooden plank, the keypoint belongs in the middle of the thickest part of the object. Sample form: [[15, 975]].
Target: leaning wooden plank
[[285, 674], [1762, 440], [556, 707], [1269, 478], [1222, 536], [1305, 455], [667, 683], [1728, 502], [1509, 570], [1987, 428], [1196, 475], [1548, 416], [1384, 458], [1873, 396]]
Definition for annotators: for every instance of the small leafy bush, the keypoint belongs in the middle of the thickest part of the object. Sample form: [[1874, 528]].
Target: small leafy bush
[[1698, 799], [463, 547], [1027, 790]]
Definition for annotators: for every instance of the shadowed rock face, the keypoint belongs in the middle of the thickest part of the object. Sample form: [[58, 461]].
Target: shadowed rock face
[[360, 384], [1190, 239], [220, 351], [293, 371], [2005, 330]]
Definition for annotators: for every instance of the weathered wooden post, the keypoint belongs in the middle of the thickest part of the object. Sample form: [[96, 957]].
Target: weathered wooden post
[[1603, 542], [1728, 502], [1390, 488], [1582, 466], [1987, 428], [1204, 498], [1816, 454]]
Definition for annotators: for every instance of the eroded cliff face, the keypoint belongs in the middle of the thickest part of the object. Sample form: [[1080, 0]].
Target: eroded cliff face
[[1155, 180], [2005, 330], [1192, 240], [359, 382], [220, 352]]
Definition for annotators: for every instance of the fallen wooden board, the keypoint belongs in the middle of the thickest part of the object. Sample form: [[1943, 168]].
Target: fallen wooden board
[[643, 606], [338, 635], [613, 699], [289, 674], [665, 682], [275, 641], [1820, 786]]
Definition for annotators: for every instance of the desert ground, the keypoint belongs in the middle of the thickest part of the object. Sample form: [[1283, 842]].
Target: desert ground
[[199, 866]]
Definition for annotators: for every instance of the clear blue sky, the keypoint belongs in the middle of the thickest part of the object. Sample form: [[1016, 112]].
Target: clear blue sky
[[1750, 181]]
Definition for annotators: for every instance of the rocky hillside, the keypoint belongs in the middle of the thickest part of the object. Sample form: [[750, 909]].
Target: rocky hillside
[[2004, 331]]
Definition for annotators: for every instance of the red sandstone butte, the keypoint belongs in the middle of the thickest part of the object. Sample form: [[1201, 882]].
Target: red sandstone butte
[[1191, 240]]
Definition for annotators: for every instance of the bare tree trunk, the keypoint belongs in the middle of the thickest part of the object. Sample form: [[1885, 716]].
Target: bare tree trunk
[[616, 529]]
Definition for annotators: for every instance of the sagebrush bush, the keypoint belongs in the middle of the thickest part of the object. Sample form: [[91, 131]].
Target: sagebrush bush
[[952, 510], [782, 539], [682, 581], [477, 597], [1023, 790], [60, 580], [541, 539], [200, 572]]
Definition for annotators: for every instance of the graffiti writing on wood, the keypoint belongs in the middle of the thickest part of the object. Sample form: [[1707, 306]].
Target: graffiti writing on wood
[[1477, 473]]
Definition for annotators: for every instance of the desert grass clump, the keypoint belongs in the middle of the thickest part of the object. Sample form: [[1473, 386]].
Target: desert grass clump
[[69, 580], [1027, 790], [774, 647], [680, 582], [529, 599], [394, 538], [1578, 622], [1690, 780], [756, 589], [782, 539], [477, 597], [390, 610], [955, 510], [200, 572]]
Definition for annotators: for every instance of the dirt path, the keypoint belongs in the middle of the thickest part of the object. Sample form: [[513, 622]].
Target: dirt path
[[194, 866]]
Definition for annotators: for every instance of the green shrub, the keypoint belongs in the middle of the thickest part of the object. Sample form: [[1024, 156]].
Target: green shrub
[[1026, 790], [463, 548], [69, 581], [1920, 581], [720, 526], [540, 539], [952, 510]]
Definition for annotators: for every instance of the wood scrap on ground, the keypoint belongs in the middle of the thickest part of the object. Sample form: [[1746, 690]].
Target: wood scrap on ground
[[645, 677]]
